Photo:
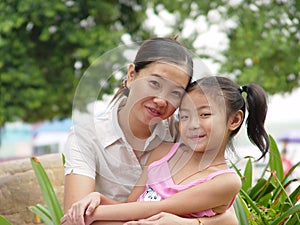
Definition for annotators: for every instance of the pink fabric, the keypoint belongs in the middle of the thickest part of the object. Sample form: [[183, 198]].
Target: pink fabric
[[160, 184]]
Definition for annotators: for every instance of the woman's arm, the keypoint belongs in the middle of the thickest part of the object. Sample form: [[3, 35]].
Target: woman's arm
[[75, 188], [214, 194]]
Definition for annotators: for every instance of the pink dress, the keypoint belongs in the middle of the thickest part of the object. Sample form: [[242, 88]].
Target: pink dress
[[160, 184]]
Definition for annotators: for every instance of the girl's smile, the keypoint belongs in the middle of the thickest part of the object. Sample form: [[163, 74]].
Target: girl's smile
[[202, 125]]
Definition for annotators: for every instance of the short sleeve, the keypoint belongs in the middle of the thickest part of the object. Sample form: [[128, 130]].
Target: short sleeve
[[80, 154]]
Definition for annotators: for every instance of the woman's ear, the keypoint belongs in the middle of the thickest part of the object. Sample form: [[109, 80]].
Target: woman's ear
[[236, 119], [130, 74]]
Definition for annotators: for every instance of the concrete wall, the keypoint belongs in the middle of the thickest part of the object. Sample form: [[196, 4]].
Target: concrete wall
[[19, 188]]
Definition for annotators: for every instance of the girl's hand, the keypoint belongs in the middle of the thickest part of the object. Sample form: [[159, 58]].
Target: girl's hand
[[163, 219], [80, 209]]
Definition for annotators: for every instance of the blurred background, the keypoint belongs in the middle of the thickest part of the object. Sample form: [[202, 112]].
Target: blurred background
[[46, 46]]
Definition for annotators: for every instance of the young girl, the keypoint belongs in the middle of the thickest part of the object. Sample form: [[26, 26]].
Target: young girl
[[192, 179]]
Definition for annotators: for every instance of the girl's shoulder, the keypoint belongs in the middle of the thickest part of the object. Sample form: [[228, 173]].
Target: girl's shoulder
[[229, 180], [161, 151]]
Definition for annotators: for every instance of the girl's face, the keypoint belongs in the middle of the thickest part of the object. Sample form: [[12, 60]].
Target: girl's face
[[155, 92], [203, 125]]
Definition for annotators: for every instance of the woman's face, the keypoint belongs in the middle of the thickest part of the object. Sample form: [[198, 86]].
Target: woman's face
[[155, 92]]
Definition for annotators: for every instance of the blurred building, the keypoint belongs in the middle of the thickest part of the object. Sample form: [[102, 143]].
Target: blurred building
[[19, 140]]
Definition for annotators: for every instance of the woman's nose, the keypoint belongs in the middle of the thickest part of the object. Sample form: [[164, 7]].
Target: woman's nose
[[160, 101]]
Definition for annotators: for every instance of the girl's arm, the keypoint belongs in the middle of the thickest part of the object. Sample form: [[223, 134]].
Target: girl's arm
[[215, 194], [227, 218]]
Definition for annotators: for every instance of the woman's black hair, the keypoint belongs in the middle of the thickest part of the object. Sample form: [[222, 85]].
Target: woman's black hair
[[167, 50]]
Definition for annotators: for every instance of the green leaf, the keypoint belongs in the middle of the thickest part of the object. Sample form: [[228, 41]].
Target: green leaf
[[286, 214], [47, 190], [290, 172], [236, 169], [241, 210], [247, 182], [254, 207], [43, 213], [63, 158], [275, 159], [293, 220], [267, 189], [4, 221], [281, 194], [293, 198], [258, 188]]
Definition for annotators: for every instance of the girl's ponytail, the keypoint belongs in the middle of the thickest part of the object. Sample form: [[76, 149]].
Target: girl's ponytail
[[256, 103]]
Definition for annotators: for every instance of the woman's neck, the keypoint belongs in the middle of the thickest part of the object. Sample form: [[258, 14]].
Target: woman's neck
[[135, 133]]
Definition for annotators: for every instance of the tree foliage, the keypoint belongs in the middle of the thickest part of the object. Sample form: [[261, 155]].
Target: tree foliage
[[42, 42], [45, 46], [264, 47], [263, 38]]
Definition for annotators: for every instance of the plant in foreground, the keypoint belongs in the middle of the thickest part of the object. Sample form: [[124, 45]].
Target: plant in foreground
[[267, 202]]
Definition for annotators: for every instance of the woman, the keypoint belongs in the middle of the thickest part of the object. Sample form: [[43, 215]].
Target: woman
[[109, 157]]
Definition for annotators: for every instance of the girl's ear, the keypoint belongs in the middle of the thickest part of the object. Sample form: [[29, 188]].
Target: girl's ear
[[236, 120], [130, 74]]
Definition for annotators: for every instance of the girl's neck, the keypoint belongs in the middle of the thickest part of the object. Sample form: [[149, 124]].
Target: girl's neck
[[206, 159], [187, 165], [202, 159]]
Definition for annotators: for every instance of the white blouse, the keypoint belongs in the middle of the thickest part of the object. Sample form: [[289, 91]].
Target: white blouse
[[97, 148]]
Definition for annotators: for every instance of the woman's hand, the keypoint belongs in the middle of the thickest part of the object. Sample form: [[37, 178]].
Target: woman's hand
[[84, 207], [163, 219]]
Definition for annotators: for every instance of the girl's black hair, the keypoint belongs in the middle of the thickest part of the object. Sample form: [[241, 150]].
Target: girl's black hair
[[255, 103]]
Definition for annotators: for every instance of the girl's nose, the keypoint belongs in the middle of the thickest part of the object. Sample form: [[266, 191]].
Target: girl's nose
[[194, 124]]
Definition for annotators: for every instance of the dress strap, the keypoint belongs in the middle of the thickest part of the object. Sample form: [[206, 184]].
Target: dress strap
[[212, 175], [172, 151], [167, 156]]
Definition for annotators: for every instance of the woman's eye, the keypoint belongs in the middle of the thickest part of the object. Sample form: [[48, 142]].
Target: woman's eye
[[183, 117], [177, 93], [154, 83]]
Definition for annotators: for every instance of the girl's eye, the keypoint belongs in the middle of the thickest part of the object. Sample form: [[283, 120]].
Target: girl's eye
[[205, 114]]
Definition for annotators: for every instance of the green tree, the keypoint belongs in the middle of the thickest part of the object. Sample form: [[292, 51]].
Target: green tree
[[264, 46], [263, 36], [43, 42]]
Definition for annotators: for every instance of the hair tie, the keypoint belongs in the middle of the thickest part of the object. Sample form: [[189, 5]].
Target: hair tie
[[243, 89], [124, 83]]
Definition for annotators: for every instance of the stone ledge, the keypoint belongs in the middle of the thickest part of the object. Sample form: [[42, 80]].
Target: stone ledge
[[19, 188]]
